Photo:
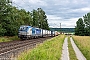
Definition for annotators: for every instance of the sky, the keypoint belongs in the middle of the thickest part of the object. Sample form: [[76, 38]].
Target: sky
[[66, 12]]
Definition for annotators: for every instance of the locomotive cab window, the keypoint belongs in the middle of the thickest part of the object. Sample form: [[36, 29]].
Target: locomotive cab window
[[23, 28]]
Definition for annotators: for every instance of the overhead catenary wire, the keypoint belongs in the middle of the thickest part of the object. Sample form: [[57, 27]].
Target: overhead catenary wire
[[26, 3], [29, 7], [13, 2], [54, 25]]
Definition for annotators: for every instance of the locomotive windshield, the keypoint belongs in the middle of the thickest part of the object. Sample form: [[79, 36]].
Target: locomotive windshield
[[24, 28]]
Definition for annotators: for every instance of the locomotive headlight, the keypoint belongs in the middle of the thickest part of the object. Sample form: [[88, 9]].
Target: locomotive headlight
[[27, 32]]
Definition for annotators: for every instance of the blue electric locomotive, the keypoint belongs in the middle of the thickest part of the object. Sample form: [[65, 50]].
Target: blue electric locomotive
[[28, 32]]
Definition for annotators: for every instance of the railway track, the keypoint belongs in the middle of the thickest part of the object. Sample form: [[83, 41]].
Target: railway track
[[13, 49]]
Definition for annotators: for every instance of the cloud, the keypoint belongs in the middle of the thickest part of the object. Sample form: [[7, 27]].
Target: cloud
[[66, 12], [38, 2], [55, 21]]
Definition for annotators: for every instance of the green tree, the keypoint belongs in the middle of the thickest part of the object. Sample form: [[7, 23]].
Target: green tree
[[39, 19], [2, 31], [87, 23], [79, 29], [11, 18], [35, 18], [42, 19], [4, 13]]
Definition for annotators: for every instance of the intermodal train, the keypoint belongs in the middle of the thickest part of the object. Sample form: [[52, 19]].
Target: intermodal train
[[29, 32]]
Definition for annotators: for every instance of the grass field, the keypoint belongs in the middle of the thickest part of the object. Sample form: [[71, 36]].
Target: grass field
[[72, 54], [6, 39], [49, 50], [83, 42]]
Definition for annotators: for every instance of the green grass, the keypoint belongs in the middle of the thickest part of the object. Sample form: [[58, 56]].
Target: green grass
[[72, 54], [83, 43], [49, 50], [7, 39]]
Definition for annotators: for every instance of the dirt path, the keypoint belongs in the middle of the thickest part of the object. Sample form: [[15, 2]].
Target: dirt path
[[77, 51], [65, 53]]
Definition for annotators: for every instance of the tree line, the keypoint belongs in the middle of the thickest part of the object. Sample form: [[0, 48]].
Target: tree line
[[11, 18], [83, 26]]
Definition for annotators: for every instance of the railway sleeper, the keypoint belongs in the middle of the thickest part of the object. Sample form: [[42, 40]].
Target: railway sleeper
[[19, 48]]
